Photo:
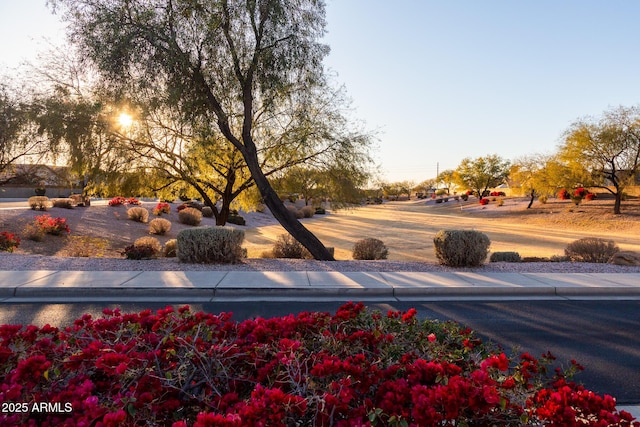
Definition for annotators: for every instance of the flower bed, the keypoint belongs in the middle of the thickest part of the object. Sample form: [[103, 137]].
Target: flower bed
[[354, 368]]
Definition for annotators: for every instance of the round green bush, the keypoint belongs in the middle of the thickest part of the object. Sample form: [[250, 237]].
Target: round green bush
[[370, 249], [461, 248]]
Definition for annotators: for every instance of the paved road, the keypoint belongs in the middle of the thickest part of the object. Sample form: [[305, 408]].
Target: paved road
[[601, 335]]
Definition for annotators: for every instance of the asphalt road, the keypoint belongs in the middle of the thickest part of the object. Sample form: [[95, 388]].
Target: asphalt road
[[603, 336]]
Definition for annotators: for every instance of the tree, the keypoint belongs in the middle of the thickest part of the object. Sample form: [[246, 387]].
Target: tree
[[255, 67], [482, 173], [18, 138], [447, 178], [605, 149]]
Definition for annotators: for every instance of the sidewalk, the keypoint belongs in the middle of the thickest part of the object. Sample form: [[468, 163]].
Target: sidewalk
[[202, 286]]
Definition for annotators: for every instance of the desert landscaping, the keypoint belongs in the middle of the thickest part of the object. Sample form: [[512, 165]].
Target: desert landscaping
[[99, 234]]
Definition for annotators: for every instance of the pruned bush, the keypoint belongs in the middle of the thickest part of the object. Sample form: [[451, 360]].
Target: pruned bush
[[308, 211], [190, 216], [33, 232], [461, 248], [39, 203], [65, 203], [505, 257], [210, 244], [591, 249], [139, 252], [171, 248], [296, 213], [236, 219], [370, 249], [207, 212], [149, 241], [138, 214], [159, 226], [288, 247]]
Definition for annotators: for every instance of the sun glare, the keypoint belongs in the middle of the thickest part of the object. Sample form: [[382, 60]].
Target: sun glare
[[125, 120]]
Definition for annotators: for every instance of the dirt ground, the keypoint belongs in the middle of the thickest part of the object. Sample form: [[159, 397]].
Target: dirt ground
[[406, 227]]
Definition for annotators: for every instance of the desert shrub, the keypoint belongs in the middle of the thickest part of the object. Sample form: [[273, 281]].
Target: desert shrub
[[117, 201], [370, 249], [139, 252], [236, 219], [207, 212], [190, 216], [591, 249], [162, 208], [500, 202], [39, 203], [464, 197], [80, 200], [33, 232], [159, 226], [132, 201], [505, 257], [48, 225], [149, 241], [320, 211], [483, 201], [461, 248], [559, 258], [65, 203], [138, 214], [171, 248], [8, 241], [543, 199], [564, 194], [295, 211], [589, 196], [288, 247], [307, 211], [210, 244]]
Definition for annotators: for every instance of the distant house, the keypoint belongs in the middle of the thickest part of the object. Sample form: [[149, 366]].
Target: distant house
[[20, 180], [34, 174]]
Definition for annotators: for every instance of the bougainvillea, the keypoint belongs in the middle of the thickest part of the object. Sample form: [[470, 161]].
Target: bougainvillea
[[8, 241], [49, 225], [162, 208], [354, 368]]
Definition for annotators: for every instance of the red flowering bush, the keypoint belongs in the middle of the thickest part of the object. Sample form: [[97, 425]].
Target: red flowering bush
[[497, 194], [354, 368], [484, 201], [589, 196], [162, 208], [48, 225], [580, 192], [117, 201], [564, 194], [8, 241]]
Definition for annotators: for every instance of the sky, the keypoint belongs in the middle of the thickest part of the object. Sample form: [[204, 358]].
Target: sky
[[439, 81]]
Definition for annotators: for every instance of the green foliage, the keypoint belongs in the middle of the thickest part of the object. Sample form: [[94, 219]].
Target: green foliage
[[505, 257], [138, 214], [236, 219], [207, 212], [591, 249], [210, 244], [461, 248], [190, 216], [482, 173], [370, 249]]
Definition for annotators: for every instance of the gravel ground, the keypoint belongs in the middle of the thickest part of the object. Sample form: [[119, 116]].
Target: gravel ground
[[17, 262]]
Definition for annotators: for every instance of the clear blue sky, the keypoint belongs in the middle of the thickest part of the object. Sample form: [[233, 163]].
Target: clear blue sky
[[446, 79]]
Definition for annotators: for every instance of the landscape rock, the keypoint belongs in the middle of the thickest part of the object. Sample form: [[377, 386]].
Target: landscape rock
[[625, 258]]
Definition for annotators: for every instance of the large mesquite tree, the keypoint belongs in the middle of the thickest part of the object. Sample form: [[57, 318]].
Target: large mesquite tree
[[253, 65]]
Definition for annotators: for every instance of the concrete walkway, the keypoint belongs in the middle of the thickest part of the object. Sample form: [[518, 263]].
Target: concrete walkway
[[201, 286]]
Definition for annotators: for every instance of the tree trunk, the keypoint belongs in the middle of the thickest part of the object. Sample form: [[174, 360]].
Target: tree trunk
[[286, 218], [533, 195], [618, 203]]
